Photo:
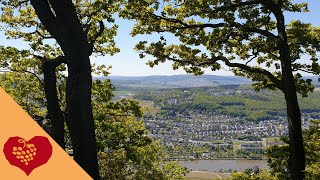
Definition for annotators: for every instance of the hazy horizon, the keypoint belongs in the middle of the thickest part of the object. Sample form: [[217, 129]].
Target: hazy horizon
[[112, 75]]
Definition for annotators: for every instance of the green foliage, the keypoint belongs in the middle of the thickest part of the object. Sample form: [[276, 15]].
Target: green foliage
[[313, 171], [117, 164], [239, 34], [125, 150], [278, 157], [19, 21], [252, 106], [251, 175], [173, 171], [26, 90], [26, 87]]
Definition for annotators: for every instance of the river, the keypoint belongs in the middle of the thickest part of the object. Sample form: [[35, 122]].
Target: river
[[216, 165]]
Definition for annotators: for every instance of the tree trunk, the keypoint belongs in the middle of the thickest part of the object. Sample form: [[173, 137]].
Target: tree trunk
[[297, 154], [296, 148], [61, 21], [54, 112], [80, 118]]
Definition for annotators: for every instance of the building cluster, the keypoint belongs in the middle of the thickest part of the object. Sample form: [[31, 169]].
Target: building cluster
[[218, 131]]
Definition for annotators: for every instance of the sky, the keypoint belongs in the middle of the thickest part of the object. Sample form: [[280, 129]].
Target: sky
[[128, 63]]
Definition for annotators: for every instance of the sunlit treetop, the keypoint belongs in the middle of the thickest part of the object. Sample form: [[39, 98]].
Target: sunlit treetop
[[19, 21], [241, 34]]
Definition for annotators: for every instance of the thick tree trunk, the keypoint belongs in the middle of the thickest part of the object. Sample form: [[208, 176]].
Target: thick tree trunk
[[296, 148], [54, 112], [61, 21], [80, 118], [297, 154]]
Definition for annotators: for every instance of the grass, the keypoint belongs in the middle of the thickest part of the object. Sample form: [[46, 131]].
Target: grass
[[204, 175], [149, 106], [276, 139], [218, 141]]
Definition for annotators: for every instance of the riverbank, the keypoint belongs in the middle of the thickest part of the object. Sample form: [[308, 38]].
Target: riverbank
[[205, 175], [227, 158], [223, 165]]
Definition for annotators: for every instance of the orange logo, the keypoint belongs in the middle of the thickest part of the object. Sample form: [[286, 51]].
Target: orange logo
[[27, 155], [39, 156]]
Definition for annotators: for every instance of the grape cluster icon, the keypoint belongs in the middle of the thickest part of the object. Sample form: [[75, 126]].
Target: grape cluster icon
[[24, 153]]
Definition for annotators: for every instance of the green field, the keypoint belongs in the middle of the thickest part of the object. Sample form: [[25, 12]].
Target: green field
[[149, 107], [204, 175]]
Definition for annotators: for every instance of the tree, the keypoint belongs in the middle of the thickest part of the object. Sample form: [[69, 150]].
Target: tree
[[278, 156], [248, 175], [23, 84], [249, 36], [78, 30], [124, 149]]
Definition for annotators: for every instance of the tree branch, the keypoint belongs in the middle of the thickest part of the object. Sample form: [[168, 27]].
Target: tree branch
[[53, 63], [20, 3], [46, 16], [25, 71], [96, 36], [213, 60], [303, 70], [209, 25], [67, 16], [236, 5], [42, 35], [264, 72]]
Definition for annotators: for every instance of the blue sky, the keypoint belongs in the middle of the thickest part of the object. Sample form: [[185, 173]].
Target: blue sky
[[128, 63]]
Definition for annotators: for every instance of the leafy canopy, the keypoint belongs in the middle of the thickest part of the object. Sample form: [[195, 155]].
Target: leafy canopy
[[278, 157], [125, 150], [240, 34], [19, 21]]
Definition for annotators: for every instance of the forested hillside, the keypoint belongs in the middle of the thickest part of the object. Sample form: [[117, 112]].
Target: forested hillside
[[234, 100]]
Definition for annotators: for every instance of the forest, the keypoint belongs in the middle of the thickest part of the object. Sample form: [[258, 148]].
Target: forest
[[238, 101], [47, 66]]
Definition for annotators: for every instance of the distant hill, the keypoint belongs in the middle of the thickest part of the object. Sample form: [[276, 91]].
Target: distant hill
[[182, 81], [176, 81]]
